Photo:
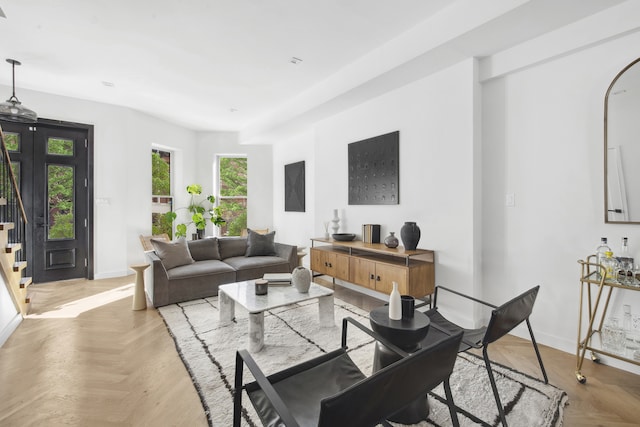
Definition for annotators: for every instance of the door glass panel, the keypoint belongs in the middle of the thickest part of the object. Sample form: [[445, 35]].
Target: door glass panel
[[12, 141], [60, 147], [60, 203]]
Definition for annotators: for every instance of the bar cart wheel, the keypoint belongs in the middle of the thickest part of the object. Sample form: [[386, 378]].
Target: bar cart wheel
[[581, 378]]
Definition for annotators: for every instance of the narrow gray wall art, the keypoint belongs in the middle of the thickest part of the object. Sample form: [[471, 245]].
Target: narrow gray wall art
[[294, 187]]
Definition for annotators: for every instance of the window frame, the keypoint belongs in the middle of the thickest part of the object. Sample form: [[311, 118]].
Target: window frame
[[218, 186]]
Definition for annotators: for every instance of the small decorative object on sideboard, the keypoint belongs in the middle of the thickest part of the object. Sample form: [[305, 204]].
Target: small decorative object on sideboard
[[410, 235], [395, 305], [343, 237], [301, 279], [336, 221], [371, 233], [391, 241], [326, 229]]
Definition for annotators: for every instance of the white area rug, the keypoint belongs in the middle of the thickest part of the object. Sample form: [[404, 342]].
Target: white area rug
[[293, 335]]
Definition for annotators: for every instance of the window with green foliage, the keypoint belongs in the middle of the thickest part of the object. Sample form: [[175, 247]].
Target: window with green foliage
[[232, 194], [161, 200], [60, 198], [61, 205]]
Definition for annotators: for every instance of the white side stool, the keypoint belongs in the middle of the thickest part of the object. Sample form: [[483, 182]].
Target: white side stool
[[139, 297], [301, 254]]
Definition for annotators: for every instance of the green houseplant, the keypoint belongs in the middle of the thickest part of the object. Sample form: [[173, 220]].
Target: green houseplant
[[199, 213]]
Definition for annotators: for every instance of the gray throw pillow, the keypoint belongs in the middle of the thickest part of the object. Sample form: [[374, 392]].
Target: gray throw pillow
[[232, 246], [172, 254], [261, 244], [204, 249]]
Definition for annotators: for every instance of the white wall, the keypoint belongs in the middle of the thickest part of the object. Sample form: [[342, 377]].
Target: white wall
[[438, 164], [296, 228], [544, 141], [9, 316]]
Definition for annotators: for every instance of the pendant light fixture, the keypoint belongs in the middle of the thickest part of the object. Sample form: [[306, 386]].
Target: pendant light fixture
[[12, 110]]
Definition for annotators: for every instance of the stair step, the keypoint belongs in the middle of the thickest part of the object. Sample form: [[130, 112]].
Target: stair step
[[3, 201], [6, 226], [13, 247], [25, 281], [18, 266]]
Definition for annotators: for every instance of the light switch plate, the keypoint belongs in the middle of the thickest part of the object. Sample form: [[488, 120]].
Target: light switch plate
[[510, 200]]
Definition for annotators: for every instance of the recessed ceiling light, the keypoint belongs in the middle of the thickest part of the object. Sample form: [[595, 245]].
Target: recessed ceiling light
[[233, 110], [295, 60], [108, 84]]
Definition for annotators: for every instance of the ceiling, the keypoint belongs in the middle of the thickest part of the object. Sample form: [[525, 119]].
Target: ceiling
[[227, 65]]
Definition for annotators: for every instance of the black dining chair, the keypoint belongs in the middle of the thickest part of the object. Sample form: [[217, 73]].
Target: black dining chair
[[502, 321], [330, 390]]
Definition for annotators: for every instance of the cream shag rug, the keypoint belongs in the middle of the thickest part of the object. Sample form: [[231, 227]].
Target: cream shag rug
[[292, 335]]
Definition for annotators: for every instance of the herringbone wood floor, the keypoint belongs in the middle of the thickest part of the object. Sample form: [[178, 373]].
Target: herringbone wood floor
[[82, 361]]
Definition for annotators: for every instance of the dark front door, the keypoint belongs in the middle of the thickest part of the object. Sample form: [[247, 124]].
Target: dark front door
[[55, 185]]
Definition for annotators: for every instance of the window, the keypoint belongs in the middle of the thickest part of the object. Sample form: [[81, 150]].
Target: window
[[232, 193], [161, 200]]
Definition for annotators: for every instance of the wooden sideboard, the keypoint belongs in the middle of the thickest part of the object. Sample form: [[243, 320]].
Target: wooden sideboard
[[374, 266]]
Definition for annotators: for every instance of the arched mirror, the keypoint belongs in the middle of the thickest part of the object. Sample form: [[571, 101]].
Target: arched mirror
[[622, 147]]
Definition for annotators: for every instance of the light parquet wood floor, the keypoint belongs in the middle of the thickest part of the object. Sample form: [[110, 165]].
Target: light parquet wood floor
[[84, 358]]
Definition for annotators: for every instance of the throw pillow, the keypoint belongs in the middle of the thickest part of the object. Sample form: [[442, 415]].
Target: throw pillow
[[204, 249], [172, 254], [232, 247], [261, 244]]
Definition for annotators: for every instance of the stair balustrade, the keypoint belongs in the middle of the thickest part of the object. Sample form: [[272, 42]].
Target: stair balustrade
[[13, 226]]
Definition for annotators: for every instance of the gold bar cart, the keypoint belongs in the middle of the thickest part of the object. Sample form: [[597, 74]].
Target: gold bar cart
[[593, 277]]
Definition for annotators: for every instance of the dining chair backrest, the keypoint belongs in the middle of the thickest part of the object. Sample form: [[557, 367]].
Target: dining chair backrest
[[391, 388], [509, 315]]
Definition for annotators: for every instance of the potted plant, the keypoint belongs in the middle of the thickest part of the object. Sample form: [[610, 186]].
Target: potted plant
[[199, 213]]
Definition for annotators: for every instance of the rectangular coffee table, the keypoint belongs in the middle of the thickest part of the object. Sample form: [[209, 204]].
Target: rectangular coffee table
[[243, 293]]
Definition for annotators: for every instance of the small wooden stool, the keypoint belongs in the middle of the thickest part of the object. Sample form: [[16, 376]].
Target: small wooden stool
[[139, 297]]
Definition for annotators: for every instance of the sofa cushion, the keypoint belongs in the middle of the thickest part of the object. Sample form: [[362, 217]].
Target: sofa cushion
[[248, 268], [232, 246], [201, 268], [204, 249], [261, 244], [172, 254]]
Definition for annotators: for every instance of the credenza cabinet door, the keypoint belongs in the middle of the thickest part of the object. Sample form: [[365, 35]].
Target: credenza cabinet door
[[386, 274], [363, 272], [341, 267], [330, 263]]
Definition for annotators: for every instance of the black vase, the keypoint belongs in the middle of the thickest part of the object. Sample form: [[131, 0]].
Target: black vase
[[410, 235]]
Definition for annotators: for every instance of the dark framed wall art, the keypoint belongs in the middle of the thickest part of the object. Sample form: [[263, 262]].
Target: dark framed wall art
[[294, 187], [374, 170]]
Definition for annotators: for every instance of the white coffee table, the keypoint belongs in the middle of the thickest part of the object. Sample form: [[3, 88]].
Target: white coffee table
[[243, 293]]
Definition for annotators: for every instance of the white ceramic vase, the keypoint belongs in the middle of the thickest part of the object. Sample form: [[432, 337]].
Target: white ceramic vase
[[395, 307], [336, 221], [301, 279]]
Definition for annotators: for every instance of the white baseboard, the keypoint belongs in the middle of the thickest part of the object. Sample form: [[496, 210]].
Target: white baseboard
[[10, 328], [112, 274]]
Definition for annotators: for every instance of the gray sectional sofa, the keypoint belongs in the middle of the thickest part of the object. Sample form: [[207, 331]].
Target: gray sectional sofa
[[186, 270]]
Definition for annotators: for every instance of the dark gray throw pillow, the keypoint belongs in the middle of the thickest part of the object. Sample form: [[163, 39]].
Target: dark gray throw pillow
[[204, 249], [172, 254], [232, 247], [261, 244]]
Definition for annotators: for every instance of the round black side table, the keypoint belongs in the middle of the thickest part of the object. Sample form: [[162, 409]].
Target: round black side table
[[406, 334]]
